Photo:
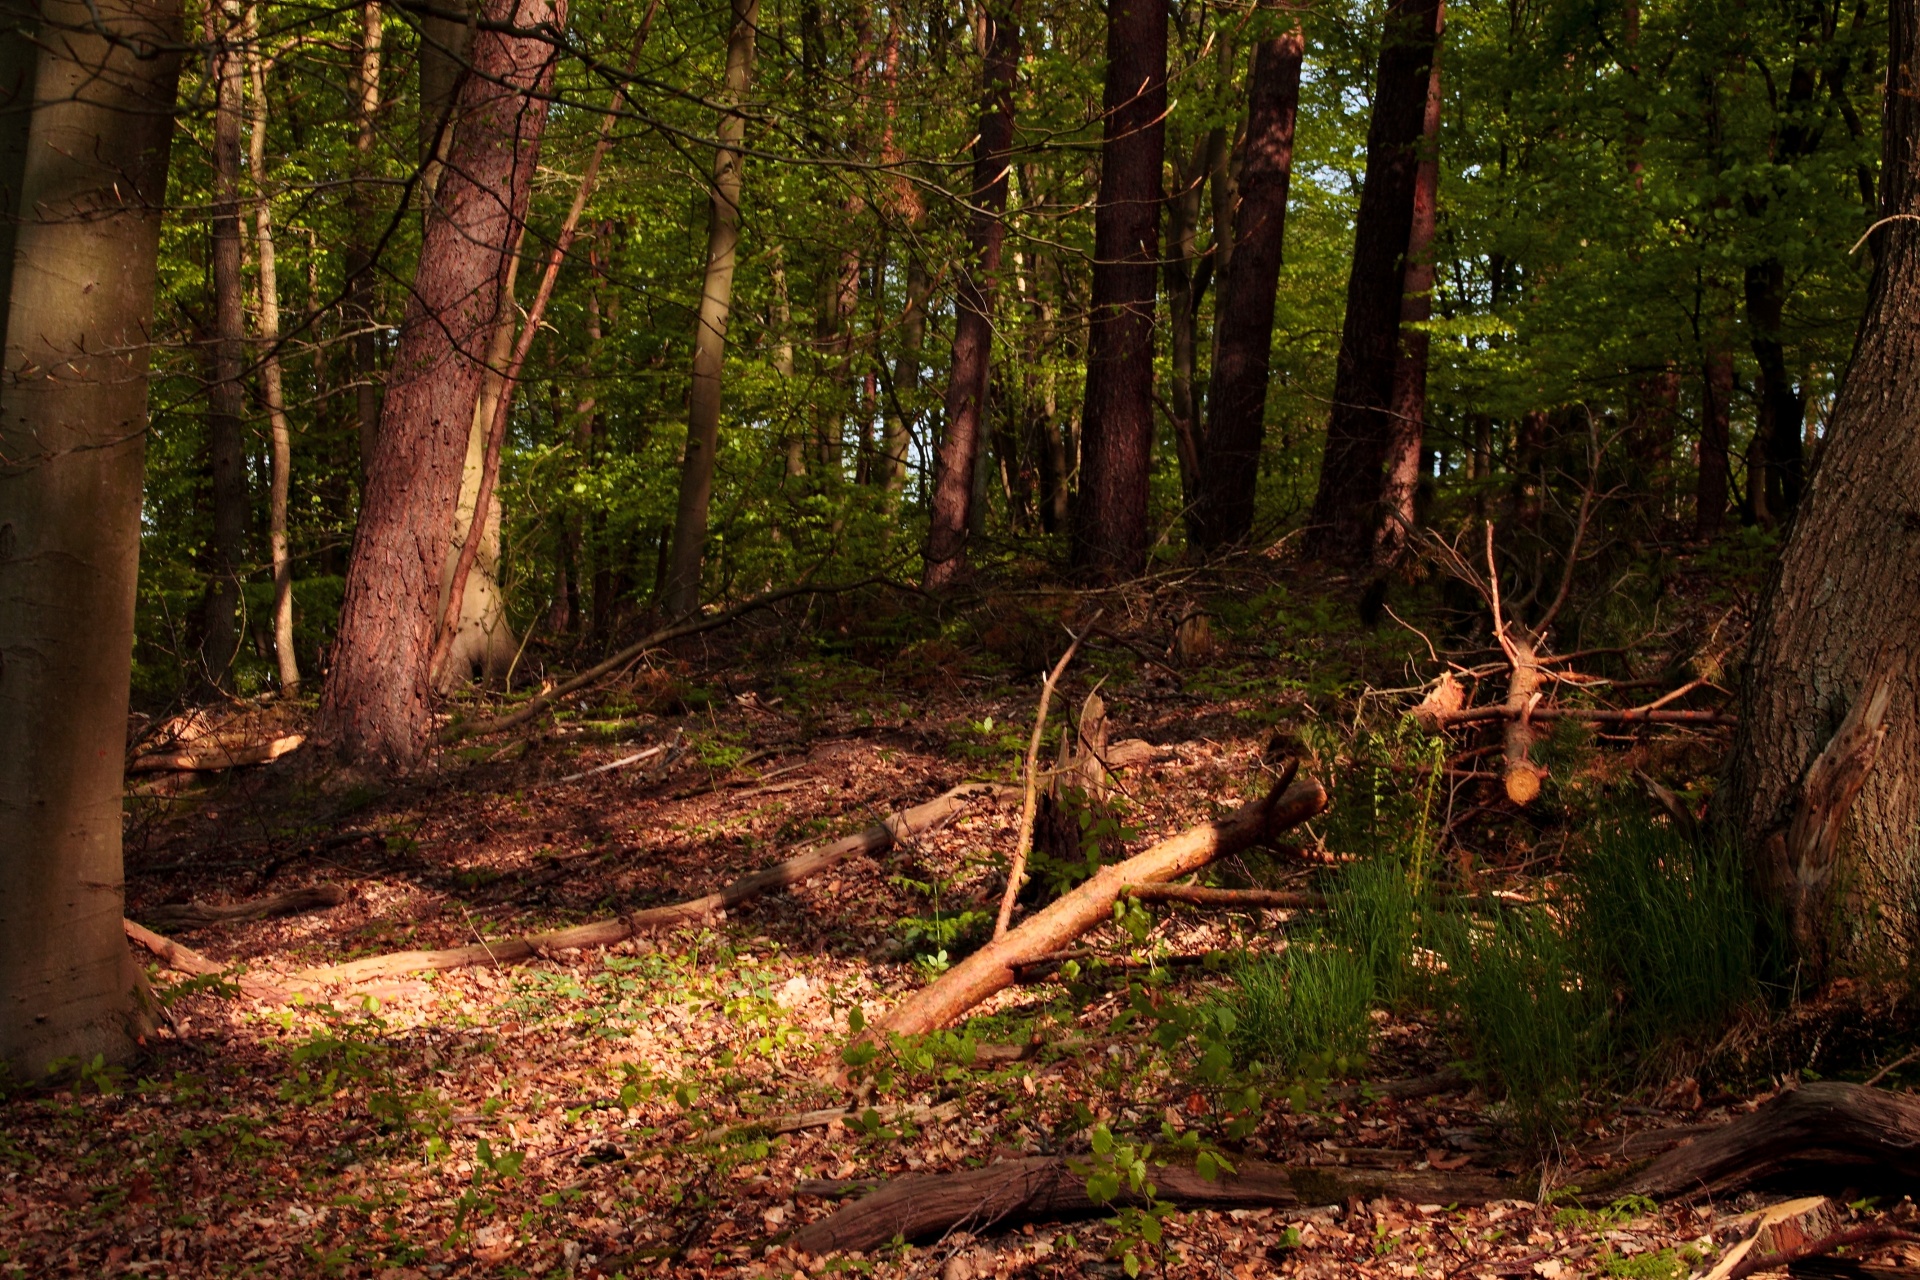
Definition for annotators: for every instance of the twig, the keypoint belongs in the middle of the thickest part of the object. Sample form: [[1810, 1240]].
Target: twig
[[1893, 1066], [621, 763], [1017, 872]]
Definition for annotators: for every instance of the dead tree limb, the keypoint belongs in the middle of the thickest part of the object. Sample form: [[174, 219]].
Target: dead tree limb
[[991, 968], [880, 836], [1018, 870], [193, 915], [924, 1206], [186, 960], [1234, 899], [211, 759]]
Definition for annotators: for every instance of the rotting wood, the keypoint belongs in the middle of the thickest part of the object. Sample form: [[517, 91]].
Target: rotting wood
[[1017, 871], [991, 968], [882, 835], [1826, 1133], [912, 1113], [1235, 899], [924, 1206], [212, 759], [187, 960], [193, 915]]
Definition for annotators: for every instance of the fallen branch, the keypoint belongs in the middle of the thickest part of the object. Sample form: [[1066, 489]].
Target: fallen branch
[[874, 839], [187, 960], [1592, 715], [1017, 872], [210, 759], [991, 968], [621, 763], [193, 915], [929, 1205], [915, 1113], [1235, 899]]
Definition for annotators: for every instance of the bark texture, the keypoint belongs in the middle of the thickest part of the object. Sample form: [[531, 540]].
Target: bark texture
[[1359, 425], [1243, 341], [1110, 534], [1844, 605], [960, 441], [92, 164], [710, 332], [378, 704]]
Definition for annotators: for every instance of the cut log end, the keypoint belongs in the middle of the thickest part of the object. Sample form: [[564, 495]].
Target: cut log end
[[1523, 784]]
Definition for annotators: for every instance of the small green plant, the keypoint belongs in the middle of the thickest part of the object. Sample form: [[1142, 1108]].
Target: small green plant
[[1375, 911], [1308, 1006]]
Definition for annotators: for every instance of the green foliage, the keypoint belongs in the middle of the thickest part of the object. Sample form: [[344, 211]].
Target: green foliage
[[1307, 1008], [1374, 909]]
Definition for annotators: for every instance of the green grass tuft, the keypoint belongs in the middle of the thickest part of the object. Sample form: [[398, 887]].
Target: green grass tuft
[[1309, 1006]]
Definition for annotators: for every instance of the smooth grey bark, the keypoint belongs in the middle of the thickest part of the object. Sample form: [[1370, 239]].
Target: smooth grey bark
[[73, 417]]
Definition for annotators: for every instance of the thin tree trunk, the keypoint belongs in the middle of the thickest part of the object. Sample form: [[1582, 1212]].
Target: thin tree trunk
[[1110, 533], [906, 375], [86, 170], [1183, 226], [1243, 335], [378, 703], [1716, 409], [1407, 411], [710, 335], [1358, 427], [796, 444], [1782, 410], [1844, 605], [359, 304], [271, 390], [226, 396], [955, 507]]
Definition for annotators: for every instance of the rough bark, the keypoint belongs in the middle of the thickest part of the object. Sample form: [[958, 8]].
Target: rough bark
[[1407, 409], [378, 703], [1110, 533], [1243, 338], [90, 163], [965, 426], [226, 341], [1844, 604], [1359, 424], [710, 332]]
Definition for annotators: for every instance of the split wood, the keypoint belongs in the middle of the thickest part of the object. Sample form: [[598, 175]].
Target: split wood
[[1234, 899], [880, 836], [193, 915], [991, 968], [1024, 845], [211, 759], [186, 960], [930, 1205]]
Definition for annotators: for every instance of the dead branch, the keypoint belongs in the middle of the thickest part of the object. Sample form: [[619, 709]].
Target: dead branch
[[925, 1206], [210, 759], [1017, 872], [186, 960], [798, 1122], [193, 915], [1592, 715], [874, 839], [1233, 899], [990, 969]]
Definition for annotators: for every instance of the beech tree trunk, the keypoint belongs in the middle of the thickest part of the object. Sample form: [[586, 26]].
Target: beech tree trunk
[[86, 171], [1110, 534], [227, 336], [1243, 336], [1407, 410], [964, 431], [1360, 424], [1844, 605], [710, 332], [1716, 415], [378, 703]]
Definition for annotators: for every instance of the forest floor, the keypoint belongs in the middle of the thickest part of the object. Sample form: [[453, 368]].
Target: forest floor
[[588, 1113]]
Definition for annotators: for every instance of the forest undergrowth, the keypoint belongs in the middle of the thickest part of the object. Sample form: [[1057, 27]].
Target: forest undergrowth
[[1564, 975]]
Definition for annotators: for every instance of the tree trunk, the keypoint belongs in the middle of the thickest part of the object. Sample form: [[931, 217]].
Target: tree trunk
[[903, 413], [1359, 425], [1110, 533], [87, 171], [1243, 339], [271, 390], [359, 303], [1716, 412], [954, 506], [710, 334], [1407, 410], [1183, 227], [226, 395], [378, 703], [1844, 604], [1782, 410]]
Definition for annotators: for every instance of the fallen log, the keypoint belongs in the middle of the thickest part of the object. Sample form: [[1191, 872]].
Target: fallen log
[[187, 960], [927, 1206], [991, 968], [211, 759], [1237, 899], [193, 915], [1817, 1135], [600, 933]]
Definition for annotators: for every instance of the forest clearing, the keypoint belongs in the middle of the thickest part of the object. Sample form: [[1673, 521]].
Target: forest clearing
[[1204, 638]]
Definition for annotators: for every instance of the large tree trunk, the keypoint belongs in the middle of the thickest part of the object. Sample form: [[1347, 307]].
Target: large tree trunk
[[86, 172], [1110, 533], [960, 442], [1844, 605], [710, 332], [378, 703], [226, 395], [1243, 338], [1359, 425], [1407, 410]]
